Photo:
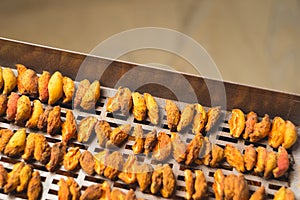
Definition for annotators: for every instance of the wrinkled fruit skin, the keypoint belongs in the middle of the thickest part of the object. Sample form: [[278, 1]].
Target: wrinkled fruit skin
[[237, 123]]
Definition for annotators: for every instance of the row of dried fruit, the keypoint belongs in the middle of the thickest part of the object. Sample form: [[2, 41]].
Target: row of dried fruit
[[234, 187], [111, 165], [69, 189], [21, 178], [177, 121], [24, 178], [161, 146], [49, 87], [53, 88], [50, 120], [282, 132]]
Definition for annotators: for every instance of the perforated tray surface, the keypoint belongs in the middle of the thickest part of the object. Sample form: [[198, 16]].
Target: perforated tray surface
[[219, 136]]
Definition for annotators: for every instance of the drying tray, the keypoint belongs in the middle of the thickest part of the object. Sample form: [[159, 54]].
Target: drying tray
[[244, 97]]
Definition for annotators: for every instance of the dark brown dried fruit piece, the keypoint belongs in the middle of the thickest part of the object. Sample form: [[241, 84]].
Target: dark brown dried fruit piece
[[150, 141], [42, 122], [58, 151]]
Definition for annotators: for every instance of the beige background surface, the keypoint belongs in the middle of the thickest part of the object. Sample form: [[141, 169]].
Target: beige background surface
[[252, 42]]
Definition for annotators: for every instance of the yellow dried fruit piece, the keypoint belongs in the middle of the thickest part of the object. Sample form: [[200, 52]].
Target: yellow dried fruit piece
[[139, 106], [1, 78], [290, 135], [9, 79], [276, 136], [23, 109], [199, 120], [55, 88], [152, 107], [16, 144], [236, 123], [37, 110]]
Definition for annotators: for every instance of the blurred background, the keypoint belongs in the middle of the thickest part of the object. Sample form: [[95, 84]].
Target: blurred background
[[252, 42]]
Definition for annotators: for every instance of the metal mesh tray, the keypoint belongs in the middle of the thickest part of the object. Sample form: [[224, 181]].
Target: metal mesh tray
[[219, 136]]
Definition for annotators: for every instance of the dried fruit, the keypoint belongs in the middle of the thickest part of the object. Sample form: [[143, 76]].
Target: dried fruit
[[68, 89], [163, 147], [27, 81], [276, 136], [290, 135], [54, 121], [3, 103], [71, 158], [234, 157], [91, 96], [173, 115], [251, 121], [69, 127], [150, 141], [55, 88], [9, 79], [261, 157], [283, 163], [250, 157], [236, 123], [37, 110], [213, 116], [179, 148], [81, 91], [103, 131], [261, 129], [16, 144], [23, 110], [138, 146], [119, 135], [12, 106], [186, 118], [86, 126], [87, 162], [43, 86], [139, 106], [152, 108], [199, 120]]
